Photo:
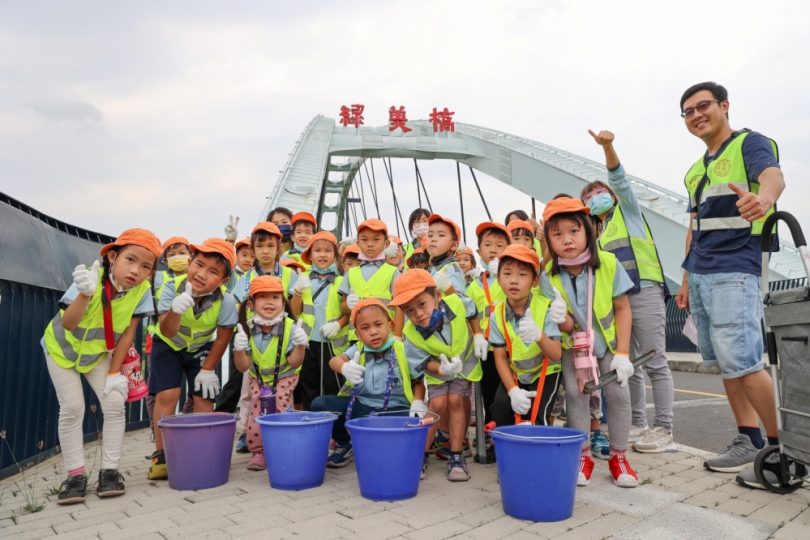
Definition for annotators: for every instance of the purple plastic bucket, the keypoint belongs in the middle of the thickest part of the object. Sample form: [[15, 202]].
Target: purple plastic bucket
[[198, 449]]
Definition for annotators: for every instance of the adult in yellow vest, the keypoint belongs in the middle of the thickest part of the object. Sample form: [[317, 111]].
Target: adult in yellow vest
[[90, 337], [418, 221], [623, 231], [732, 187]]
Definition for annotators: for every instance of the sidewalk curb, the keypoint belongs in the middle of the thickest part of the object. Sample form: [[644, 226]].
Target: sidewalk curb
[[690, 366]]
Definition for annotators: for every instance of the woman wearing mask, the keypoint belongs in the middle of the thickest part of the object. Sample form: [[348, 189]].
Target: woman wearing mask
[[282, 218], [419, 230]]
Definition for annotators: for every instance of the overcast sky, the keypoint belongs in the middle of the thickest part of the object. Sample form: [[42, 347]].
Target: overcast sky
[[173, 115]]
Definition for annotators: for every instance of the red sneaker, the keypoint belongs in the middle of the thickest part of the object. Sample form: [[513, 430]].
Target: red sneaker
[[256, 462], [585, 470], [623, 474]]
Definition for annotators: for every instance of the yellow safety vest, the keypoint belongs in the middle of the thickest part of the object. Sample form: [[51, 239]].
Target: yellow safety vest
[[297, 258], [461, 341], [85, 346], [526, 360], [194, 331], [485, 304], [333, 314], [286, 274], [378, 286], [267, 360], [402, 365], [602, 298]]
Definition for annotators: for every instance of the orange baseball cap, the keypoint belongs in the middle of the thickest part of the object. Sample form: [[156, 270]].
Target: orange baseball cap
[[219, 246], [436, 217], [491, 225], [417, 250], [323, 235], [241, 243], [354, 248], [411, 284], [373, 224], [293, 264], [522, 253], [518, 224], [395, 240], [271, 284], [175, 240], [304, 216], [563, 205], [268, 227], [366, 302], [466, 251], [136, 237]]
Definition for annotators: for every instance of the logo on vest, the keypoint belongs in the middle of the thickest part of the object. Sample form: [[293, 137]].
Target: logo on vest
[[611, 230], [722, 167], [693, 183]]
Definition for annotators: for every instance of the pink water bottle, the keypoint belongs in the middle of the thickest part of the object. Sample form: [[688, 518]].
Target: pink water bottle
[[584, 361], [131, 368]]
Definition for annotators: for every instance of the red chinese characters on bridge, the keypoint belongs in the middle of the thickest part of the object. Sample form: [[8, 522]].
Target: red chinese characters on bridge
[[442, 120], [397, 119], [353, 116]]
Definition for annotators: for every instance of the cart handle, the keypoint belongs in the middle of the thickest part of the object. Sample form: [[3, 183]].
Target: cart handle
[[790, 221]]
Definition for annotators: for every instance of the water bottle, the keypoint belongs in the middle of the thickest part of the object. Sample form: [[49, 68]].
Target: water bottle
[[131, 368], [584, 362], [267, 400]]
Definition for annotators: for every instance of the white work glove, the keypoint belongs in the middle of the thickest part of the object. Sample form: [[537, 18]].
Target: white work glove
[[302, 283], [450, 367], [330, 329], [240, 340], [521, 399], [231, 231], [86, 280], [481, 345], [493, 266], [353, 371], [299, 336], [352, 299], [474, 272], [391, 250], [528, 330], [623, 367], [442, 281], [116, 383], [558, 308], [182, 303], [418, 408], [208, 382], [348, 241]]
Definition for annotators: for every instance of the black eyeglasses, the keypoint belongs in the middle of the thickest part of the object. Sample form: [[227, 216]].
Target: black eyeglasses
[[702, 106]]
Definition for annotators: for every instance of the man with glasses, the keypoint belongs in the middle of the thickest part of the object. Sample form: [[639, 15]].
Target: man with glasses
[[732, 188]]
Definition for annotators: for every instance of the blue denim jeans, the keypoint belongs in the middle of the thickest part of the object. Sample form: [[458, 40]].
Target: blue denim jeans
[[727, 311], [338, 404]]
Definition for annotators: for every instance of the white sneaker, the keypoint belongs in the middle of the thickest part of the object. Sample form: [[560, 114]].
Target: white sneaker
[[637, 433], [657, 441]]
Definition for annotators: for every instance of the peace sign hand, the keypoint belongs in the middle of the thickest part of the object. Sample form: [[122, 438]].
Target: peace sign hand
[[232, 229]]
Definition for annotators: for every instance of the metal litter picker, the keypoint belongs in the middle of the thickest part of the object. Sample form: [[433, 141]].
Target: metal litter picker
[[782, 468]]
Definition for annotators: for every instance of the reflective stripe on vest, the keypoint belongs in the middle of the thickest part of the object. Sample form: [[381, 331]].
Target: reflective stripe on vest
[[267, 360], [378, 286], [402, 365], [85, 346], [193, 332], [602, 298], [479, 296], [461, 341]]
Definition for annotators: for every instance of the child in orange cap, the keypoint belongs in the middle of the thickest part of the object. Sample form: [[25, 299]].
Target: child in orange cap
[[466, 261], [522, 233], [379, 377], [265, 241], [304, 225], [526, 342], [244, 257], [443, 240], [193, 308], [122, 288], [349, 258], [594, 287], [417, 259], [317, 302], [396, 260], [271, 347], [439, 342]]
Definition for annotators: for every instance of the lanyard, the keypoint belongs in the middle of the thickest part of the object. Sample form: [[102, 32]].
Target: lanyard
[[108, 321], [485, 282], [392, 358], [276, 369]]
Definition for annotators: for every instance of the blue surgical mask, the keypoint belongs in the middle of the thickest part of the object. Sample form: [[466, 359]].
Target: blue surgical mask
[[385, 346], [328, 270], [435, 319], [600, 203], [286, 232]]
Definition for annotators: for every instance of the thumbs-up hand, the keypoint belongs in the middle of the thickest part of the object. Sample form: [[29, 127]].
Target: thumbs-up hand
[[231, 229], [391, 250], [352, 299], [493, 266], [442, 281], [528, 330], [184, 301], [449, 367], [751, 206], [558, 309], [353, 371], [240, 340], [605, 138], [302, 284], [86, 280], [299, 335]]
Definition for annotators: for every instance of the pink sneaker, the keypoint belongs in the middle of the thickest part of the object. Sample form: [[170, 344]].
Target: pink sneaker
[[256, 462]]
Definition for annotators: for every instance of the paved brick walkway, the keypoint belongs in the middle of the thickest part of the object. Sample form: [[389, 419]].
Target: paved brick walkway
[[679, 499]]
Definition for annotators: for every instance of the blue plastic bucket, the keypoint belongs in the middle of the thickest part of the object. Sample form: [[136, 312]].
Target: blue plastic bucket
[[198, 449], [296, 445], [388, 451], [538, 468]]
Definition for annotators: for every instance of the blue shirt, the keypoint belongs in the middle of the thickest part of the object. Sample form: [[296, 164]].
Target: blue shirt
[[371, 392], [451, 269], [228, 315], [262, 339], [319, 304], [578, 298], [732, 250], [242, 288], [496, 339]]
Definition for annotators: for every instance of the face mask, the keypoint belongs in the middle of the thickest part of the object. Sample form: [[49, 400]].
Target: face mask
[[286, 232], [328, 270], [600, 203], [435, 319], [178, 263], [300, 248], [119, 288], [261, 321], [420, 230], [582, 258], [385, 346]]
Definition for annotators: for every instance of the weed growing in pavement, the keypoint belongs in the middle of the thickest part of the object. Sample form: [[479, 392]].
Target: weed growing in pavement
[[28, 490], [647, 481]]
